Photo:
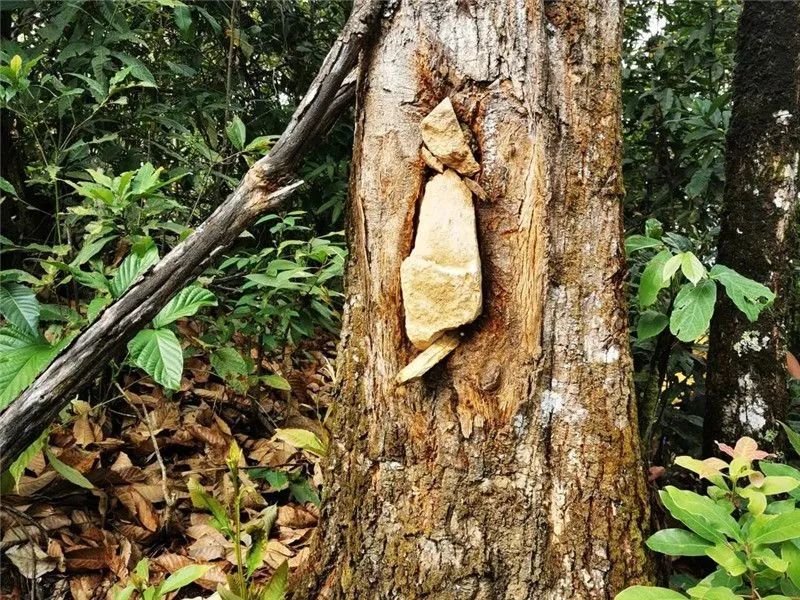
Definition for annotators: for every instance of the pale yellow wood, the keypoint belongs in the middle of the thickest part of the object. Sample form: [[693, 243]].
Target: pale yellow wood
[[429, 357]]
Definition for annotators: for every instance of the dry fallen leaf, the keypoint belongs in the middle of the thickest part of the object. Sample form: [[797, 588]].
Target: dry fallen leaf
[[32, 561]]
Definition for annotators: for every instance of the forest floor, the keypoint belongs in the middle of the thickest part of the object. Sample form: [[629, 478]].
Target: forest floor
[[85, 535]]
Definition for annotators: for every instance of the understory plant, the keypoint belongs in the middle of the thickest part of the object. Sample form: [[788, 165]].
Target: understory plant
[[747, 522], [140, 582], [249, 540]]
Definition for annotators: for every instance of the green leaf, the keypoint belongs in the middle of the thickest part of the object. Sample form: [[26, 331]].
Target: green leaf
[[678, 542], [202, 499], [125, 593], [236, 132], [700, 514], [183, 17], [771, 529], [183, 577], [791, 554], [186, 303], [692, 268], [19, 306], [650, 324], [749, 296], [276, 588], [303, 492], [277, 382], [158, 352], [773, 485], [255, 553], [671, 267], [793, 437], [640, 592], [96, 306], [651, 281], [303, 439], [636, 242], [67, 472], [278, 480], [20, 366], [6, 186], [692, 310], [725, 557], [18, 467], [229, 364], [131, 268]]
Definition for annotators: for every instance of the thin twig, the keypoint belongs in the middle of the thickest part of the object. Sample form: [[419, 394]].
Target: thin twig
[[169, 497]]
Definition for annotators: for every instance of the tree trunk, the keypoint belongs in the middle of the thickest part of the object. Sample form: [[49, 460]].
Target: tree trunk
[[746, 389], [512, 469]]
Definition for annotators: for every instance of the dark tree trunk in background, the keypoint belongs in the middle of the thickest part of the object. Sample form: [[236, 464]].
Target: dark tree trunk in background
[[746, 384], [512, 469]]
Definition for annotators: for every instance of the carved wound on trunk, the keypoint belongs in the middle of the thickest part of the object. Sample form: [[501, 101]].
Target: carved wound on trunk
[[441, 278]]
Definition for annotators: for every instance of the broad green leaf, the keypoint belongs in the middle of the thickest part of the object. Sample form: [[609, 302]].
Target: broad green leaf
[[692, 268], [640, 592], [186, 303], [236, 132], [278, 480], [691, 313], [303, 439], [725, 557], [19, 306], [183, 577], [767, 557], [12, 338], [125, 593], [183, 17], [90, 249], [636, 242], [771, 529], [131, 268], [778, 485], [18, 467], [650, 324], [96, 306], [228, 361], [255, 553], [793, 437], [6, 186], [143, 569], [202, 499], [671, 267], [678, 542], [70, 474], [651, 282], [158, 352], [276, 381], [276, 588], [713, 593], [757, 501], [749, 296], [702, 509], [791, 554], [19, 367], [303, 492]]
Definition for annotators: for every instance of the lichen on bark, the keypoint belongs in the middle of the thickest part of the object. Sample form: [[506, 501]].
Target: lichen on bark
[[746, 385]]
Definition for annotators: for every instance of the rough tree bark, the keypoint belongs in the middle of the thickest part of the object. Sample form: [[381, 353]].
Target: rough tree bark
[[746, 383], [511, 470], [259, 191]]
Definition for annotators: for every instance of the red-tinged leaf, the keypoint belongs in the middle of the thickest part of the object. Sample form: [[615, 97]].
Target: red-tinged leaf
[[793, 365]]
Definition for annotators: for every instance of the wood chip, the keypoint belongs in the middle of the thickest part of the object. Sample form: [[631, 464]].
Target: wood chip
[[429, 357]]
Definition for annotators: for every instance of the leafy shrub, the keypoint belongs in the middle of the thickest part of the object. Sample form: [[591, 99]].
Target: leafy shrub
[[748, 523]]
